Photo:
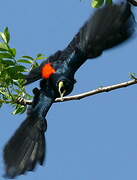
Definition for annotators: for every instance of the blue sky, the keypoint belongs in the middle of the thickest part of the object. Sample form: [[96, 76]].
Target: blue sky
[[96, 137]]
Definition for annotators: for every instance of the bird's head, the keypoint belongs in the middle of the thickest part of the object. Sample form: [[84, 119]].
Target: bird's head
[[61, 79], [63, 86]]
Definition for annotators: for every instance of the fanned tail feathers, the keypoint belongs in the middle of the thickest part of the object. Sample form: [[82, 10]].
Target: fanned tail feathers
[[26, 147]]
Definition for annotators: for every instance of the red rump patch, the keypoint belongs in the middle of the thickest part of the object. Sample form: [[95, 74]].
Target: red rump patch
[[47, 70]]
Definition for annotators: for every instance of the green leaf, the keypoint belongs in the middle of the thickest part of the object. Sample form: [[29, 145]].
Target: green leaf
[[13, 51], [14, 72], [19, 110], [28, 57], [2, 35], [25, 61], [21, 82], [40, 55], [20, 68], [4, 93], [133, 76], [97, 3], [109, 1], [20, 76], [7, 62], [15, 76], [35, 64], [28, 96], [7, 35], [3, 47], [5, 55], [15, 82], [40, 58]]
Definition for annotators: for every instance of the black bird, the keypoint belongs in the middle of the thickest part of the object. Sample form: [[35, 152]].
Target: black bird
[[106, 28]]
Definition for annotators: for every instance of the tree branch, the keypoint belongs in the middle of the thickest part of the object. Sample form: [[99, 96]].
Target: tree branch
[[86, 94]]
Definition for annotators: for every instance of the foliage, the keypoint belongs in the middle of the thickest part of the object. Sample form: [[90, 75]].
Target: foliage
[[12, 71], [98, 3]]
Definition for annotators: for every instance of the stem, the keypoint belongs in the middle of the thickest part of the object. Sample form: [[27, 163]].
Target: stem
[[10, 94]]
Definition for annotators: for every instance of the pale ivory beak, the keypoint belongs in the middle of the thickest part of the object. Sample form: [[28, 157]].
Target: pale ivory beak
[[61, 85]]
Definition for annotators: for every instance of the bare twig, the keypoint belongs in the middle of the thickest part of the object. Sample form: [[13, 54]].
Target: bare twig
[[86, 94]]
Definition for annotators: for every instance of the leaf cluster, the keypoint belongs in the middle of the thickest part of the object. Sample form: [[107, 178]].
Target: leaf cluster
[[12, 73]]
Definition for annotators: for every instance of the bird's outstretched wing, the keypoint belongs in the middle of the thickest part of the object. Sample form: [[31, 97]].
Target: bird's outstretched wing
[[109, 26], [26, 147]]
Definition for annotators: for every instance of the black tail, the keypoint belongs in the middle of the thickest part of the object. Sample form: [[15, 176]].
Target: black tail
[[26, 147], [108, 27]]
